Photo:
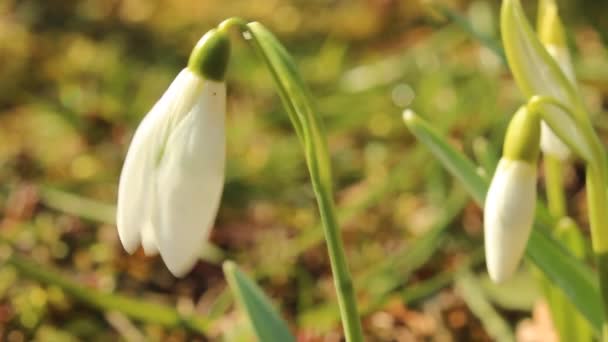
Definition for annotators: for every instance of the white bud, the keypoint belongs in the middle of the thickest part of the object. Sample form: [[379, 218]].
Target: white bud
[[172, 179], [550, 143], [508, 216]]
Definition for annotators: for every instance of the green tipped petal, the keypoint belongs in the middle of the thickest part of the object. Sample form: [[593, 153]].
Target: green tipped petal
[[522, 140], [209, 58]]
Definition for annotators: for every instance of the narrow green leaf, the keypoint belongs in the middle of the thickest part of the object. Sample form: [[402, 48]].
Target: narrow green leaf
[[466, 25], [575, 278], [78, 205], [468, 287], [137, 309], [459, 166], [265, 320]]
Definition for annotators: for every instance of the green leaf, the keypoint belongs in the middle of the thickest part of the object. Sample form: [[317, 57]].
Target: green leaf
[[453, 161], [265, 320], [468, 287], [466, 25], [575, 278], [137, 309]]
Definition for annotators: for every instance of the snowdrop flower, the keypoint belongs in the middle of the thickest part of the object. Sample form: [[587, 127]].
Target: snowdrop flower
[[173, 175], [511, 199], [551, 35], [538, 74]]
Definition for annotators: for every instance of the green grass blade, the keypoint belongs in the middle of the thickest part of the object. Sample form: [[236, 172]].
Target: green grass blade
[[575, 278], [137, 309], [459, 166], [264, 318], [468, 287], [486, 40]]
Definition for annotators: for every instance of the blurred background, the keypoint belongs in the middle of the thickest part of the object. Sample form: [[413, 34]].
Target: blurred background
[[76, 77]]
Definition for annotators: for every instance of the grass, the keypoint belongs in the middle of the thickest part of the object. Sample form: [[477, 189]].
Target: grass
[[77, 80]]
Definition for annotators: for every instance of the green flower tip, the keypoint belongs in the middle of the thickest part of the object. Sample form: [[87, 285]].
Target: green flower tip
[[550, 28], [209, 58], [522, 141]]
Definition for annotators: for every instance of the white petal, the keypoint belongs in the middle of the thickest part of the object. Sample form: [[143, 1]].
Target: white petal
[[190, 180], [508, 216], [551, 144], [137, 177], [148, 239]]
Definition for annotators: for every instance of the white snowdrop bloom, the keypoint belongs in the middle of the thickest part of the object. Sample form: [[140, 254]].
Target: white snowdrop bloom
[[508, 216], [173, 175]]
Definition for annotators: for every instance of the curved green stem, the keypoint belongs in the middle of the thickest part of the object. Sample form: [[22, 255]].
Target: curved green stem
[[308, 126]]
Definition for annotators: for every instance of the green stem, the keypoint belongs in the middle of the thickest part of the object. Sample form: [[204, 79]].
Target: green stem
[[597, 202], [308, 127], [569, 323], [342, 277], [137, 309], [554, 183]]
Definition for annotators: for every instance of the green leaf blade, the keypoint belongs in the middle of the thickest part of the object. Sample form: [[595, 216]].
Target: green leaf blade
[[459, 166], [264, 318]]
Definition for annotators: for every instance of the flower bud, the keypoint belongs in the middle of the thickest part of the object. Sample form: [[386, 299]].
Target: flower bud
[[537, 74], [511, 199], [552, 36]]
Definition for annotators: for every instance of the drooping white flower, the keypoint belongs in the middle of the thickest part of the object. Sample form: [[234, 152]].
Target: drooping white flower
[[508, 216], [172, 179], [511, 198]]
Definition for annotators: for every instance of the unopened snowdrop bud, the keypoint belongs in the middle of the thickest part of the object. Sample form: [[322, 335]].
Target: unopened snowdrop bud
[[552, 36], [511, 199], [537, 74], [172, 179]]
